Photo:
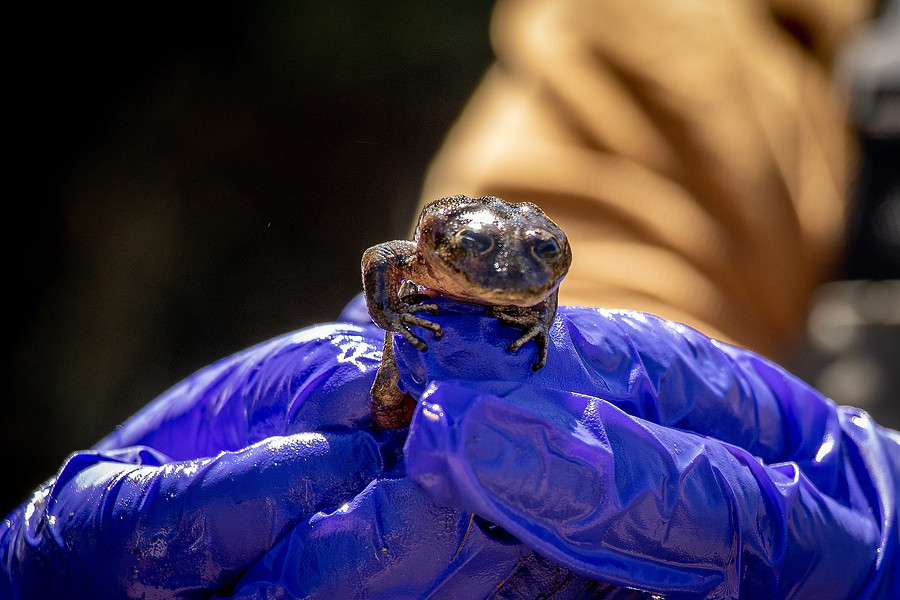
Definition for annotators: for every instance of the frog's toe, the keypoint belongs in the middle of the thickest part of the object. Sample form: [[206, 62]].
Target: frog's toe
[[408, 319], [430, 308], [539, 335], [412, 338], [528, 335]]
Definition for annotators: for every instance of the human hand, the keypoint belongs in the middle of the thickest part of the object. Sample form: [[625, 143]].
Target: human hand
[[646, 455], [203, 483], [257, 475], [260, 475]]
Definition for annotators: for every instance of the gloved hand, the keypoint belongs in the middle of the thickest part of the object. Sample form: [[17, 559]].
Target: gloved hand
[[257, 474], [643, 455], [647, 455]]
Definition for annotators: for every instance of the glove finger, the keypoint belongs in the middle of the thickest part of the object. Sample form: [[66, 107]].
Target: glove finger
[[122, 524], [626, 501], [391, 541], [676, 376], [310, 380], [657, 370]]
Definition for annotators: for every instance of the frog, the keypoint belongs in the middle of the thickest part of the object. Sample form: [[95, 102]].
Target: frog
[[507, 256]]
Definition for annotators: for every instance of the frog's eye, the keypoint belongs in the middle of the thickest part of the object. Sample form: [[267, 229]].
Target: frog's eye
[[546, 248], [474, 241]]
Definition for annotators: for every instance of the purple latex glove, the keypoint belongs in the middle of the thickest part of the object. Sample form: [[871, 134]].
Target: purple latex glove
[[646, 454], [260, 476]]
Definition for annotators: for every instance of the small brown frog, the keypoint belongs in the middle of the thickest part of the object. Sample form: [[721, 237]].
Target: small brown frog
[[509, 257]]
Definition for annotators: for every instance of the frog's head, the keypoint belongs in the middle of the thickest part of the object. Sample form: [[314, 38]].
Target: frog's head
[[489, 251]]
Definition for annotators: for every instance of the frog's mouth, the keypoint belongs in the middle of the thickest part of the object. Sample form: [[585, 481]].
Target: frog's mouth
[[475, 294], [523, 297]]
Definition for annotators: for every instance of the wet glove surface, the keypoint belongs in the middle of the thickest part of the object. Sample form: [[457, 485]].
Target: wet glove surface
[[643, 455]]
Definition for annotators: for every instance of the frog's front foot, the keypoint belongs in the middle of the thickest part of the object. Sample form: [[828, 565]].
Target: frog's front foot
[[531, 321], [407, 317]]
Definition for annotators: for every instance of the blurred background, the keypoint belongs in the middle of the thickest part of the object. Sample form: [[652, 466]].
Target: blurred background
[[196, 179], [192, 181]]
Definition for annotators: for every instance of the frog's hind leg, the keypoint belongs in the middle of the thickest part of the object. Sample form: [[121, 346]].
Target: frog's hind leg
[[391, 408]]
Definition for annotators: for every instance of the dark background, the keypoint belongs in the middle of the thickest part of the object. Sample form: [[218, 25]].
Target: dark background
[[186, 181], [190, 180]]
